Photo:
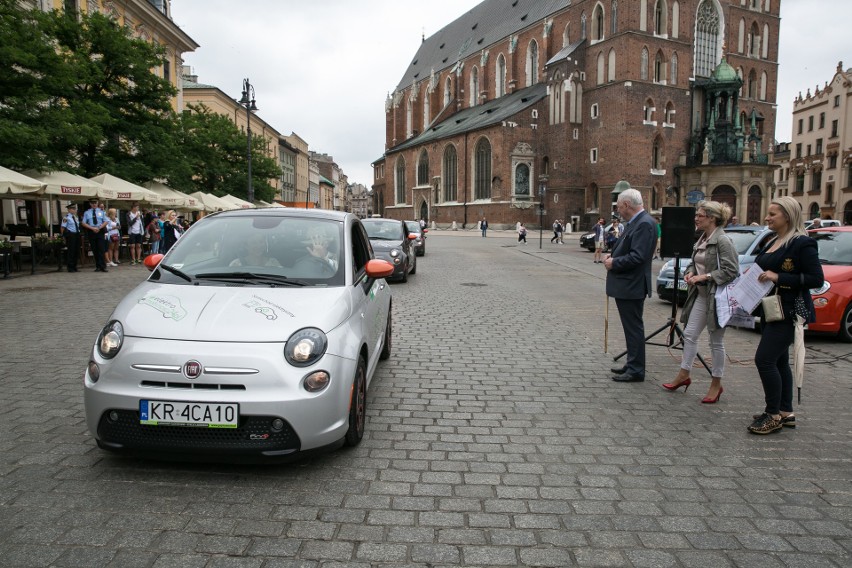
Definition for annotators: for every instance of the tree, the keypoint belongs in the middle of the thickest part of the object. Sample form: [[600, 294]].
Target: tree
[[213, 150]]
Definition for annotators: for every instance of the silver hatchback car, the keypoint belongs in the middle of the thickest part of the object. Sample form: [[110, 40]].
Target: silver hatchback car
[[255, 338]]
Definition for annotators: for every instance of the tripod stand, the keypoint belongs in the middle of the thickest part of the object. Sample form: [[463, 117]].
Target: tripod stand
[[671, 324]]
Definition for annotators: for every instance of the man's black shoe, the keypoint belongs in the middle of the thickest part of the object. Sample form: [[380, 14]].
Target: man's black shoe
[[619, 370], [628, 378]]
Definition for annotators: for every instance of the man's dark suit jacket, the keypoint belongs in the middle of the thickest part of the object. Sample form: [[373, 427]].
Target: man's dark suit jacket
[[630, 275]]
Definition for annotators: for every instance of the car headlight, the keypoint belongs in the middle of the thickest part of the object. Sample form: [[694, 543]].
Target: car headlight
[[826, 286], [305, 347], [110, 339], [394, 253]]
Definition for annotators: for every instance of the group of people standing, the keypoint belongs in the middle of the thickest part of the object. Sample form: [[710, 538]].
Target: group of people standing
[[103, 229], [790, 261]]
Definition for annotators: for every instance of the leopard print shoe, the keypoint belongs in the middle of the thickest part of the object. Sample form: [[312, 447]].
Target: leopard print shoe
[[766, 424]]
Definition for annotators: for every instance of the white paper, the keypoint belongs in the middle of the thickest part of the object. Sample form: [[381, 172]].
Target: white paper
[[747, 290], [728, 311]]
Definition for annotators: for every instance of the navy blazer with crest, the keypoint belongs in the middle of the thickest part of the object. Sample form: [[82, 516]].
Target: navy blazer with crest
[[798, 269], [630, 275]]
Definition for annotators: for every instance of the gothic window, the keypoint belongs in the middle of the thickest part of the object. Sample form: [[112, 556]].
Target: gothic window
[[752, 85], [532, 64], [613, 28], [675, 20], [557, 108], [670, 113], [763, 85], [660, 18], [583, 26], [754, 41], [566, 38], [707, 36], [427, 118], [764, 50], [611, 70], [474, 86], [409, 118], [501, 76], [423, 168], [649, 111], [659, 68], [656, 155], [448, 84], [482, 170], [643, 65], [643, 15], [673, 70], [522, 180], [741, 36], [450, 173], [601, 70], [742, 82], [598, 23], [400, 180]]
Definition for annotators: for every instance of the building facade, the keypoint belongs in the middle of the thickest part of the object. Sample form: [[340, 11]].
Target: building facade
[[537, 109], [820, 156]]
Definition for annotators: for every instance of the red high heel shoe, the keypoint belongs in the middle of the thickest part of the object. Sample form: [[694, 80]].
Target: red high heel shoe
[[674, 387], [708, 400]]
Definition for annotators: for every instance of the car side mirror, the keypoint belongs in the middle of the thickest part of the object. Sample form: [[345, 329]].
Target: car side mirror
[[152, 260], [425, 231], [377, 268], [411, 236]]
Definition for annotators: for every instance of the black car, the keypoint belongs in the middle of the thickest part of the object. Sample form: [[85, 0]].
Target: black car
[[587, 240], [391, 241], [420, 242]]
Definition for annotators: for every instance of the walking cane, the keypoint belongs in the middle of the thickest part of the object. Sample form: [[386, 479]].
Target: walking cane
[[606, 324]]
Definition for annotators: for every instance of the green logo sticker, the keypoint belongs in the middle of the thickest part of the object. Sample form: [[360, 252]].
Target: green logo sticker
[[169, 306]]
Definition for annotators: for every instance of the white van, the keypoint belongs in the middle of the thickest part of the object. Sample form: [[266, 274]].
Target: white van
[[823, 223]]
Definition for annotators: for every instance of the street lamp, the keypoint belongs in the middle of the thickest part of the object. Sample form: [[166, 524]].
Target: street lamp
[[248, 101], [542, 193]]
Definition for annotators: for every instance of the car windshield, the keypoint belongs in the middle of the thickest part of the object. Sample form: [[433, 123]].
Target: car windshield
[[259, 250], [383, 230], [412, 226], [742, 239], [835, 247]]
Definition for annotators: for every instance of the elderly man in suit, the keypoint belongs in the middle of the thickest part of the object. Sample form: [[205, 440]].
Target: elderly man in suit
[[628, 280]]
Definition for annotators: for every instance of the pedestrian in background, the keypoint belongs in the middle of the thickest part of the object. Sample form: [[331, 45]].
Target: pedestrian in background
[[483, 225], [153, 229], [628, 280], [522, 233], [70, 231], [600, 235], [659, 237], [135, 232], [791, 262], [94, 221], [715, 262], [114, 237], [172, 230]]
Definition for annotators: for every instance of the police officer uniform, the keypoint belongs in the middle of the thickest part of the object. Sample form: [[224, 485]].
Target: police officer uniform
[[94, 220], [71, 231]]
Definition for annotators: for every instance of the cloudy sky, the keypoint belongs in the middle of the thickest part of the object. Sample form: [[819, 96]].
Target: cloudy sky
[[323, 68]]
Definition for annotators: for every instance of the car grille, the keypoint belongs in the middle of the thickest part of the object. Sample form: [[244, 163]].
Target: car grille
[[127, 433], [189, 386]]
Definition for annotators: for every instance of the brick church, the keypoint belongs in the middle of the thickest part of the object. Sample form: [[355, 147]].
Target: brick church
[[522, 108]]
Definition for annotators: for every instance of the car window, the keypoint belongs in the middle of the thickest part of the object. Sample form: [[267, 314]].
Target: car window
[[412, 226], [742, 240], [360, 250], [834, 247], [384, 230]]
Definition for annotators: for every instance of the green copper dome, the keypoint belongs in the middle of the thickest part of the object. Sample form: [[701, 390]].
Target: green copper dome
[[724, 73], [619, 187]]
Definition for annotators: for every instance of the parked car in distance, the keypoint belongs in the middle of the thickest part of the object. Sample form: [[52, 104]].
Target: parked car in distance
[[833, 301], [823, 223], [392, 242], [254, 338], [587, 240], [747, 240], [419, 242]]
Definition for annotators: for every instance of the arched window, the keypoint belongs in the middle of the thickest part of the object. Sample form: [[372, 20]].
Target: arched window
[[643, 65], [656, 155], [741, 36], [566, 37], [557, 109], [659, 68], [601, 70], [649, 110], [752, 85], [675, 20], [661, 24], [501, 76], [400, 180], [613, 28], [643, 15], [409, 118], [474, 87], [522, 180], [673, 70], [670, 113], [427, 111], [742, 82], [598, 23], [754, 41], [450, 173], [423, 168], [762, 95], [707, 36], [814, 210], [764, 50], [448, 90], [532, 64], [610, 74], [583, 26], [482, 170]]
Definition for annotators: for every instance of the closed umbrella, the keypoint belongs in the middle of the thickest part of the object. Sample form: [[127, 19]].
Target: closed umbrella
[[18, 185], [799, 354]]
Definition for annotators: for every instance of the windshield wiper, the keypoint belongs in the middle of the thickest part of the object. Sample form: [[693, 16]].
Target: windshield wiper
[[251, 276], [826, 261], [176, 272], [384, 239]]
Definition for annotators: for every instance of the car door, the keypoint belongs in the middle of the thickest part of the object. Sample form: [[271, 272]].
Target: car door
[[367, 294]]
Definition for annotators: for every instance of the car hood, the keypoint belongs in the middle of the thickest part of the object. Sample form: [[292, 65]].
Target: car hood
[[385, 245], [232, 314], [836, 273]]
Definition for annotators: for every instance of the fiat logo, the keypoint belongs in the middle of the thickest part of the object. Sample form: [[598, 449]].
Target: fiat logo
[[192, 369]]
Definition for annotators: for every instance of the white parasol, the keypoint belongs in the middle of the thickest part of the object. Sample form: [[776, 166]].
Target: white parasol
[[212, 202], [240, 203], [18, 185], [173, 198], [125, 190]]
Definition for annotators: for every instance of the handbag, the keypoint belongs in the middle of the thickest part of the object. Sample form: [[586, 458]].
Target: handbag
[[114, 238], [772, 308]]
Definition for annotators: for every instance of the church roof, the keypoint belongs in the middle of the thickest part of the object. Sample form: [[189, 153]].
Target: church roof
[[484, 25], [565, 52], [492, 112]]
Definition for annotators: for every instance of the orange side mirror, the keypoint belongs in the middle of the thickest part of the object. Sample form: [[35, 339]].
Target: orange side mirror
[[411, 236], [379, 268], [152, 260]]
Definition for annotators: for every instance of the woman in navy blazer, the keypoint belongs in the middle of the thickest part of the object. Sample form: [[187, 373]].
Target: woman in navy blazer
[[791, 261]]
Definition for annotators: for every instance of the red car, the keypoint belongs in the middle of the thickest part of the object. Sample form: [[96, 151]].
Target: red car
[[833, 301]]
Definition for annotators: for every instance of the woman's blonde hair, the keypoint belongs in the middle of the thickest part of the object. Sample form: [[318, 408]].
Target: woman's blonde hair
[[111, 213], [793, 212], [721, 212]]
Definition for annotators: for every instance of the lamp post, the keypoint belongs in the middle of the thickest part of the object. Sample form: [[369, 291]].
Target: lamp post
[[248, 101], [542, 193]]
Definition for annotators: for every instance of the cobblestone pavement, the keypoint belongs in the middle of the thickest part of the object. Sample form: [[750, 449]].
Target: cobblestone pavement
[[495, 438]]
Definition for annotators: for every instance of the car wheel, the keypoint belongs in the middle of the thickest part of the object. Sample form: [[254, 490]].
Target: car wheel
[[845, 332], [404, 277], [357, 406], [414, 268], [388, 343]]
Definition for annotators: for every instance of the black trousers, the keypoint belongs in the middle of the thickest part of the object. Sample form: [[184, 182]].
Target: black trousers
[[630, 312], [72, 244], [772, 360], [98, 244]]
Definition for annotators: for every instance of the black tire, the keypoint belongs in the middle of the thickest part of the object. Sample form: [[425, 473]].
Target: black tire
[[414, 268], [404, 277], [388, 343], [845, 333], [358, 406]]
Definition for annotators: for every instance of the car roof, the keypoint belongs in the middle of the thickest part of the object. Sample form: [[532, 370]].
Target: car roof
[[292, 212], [834, 229], [745, 229], [380, 220]]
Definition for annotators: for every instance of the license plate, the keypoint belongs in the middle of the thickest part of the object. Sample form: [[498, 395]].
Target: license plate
[[680, 285], [195, 414]]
